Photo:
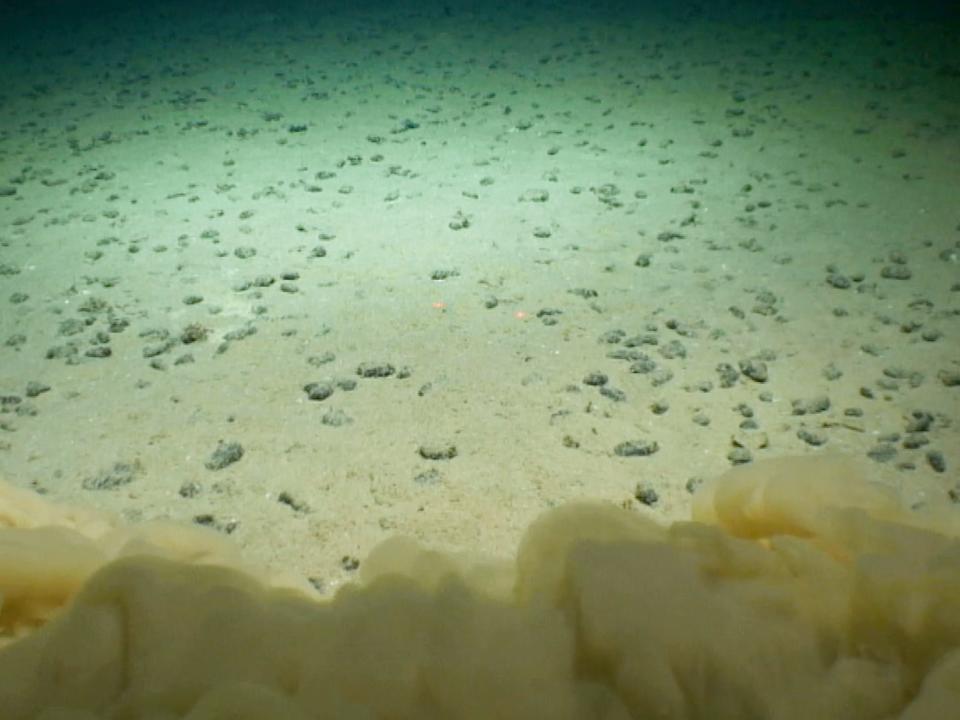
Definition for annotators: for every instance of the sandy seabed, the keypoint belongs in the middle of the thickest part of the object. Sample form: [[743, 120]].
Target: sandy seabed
[[316, 279]]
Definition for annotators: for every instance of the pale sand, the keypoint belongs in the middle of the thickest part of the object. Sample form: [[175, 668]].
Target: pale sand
[[496, 381]]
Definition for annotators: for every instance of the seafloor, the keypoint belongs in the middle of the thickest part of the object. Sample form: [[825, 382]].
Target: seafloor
[[316, 277]]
